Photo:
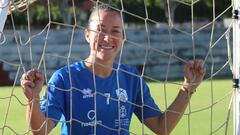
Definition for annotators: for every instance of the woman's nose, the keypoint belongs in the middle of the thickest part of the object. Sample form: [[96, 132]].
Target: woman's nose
[[107, 37]]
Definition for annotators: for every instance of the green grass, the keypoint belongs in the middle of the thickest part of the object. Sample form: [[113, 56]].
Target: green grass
[[202, 119]]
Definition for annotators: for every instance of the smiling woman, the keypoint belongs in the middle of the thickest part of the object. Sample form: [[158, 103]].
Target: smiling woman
[[105, 36], [96, 89], [98, 96]]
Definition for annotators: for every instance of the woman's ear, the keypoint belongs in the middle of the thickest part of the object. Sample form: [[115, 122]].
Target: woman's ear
[[87, 35]]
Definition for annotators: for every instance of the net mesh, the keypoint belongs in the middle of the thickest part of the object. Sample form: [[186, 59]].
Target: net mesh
[[159, 49]]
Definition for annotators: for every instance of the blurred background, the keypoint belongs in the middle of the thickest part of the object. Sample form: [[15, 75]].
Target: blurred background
[[160, 36]]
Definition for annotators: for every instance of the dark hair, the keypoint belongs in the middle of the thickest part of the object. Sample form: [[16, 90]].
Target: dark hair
[[103, 7]]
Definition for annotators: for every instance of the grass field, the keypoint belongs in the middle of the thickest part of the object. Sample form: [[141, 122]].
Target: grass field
[[208, 107]]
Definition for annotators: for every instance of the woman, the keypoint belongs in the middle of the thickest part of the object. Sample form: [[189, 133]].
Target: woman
[[92, 97]]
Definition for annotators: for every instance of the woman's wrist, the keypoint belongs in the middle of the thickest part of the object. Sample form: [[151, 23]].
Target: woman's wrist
[[34, 99], [187, 90]]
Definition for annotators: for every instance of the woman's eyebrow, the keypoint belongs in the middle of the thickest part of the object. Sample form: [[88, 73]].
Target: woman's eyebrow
[[103, 26], [118, 27]]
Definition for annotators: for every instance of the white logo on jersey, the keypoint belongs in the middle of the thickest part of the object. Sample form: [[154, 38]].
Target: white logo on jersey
[[87, 93], [124, 121], [122, 94], [91, 115], [123, 112]]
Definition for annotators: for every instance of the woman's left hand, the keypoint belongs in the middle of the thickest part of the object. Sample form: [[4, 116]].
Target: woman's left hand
[[193, 75]]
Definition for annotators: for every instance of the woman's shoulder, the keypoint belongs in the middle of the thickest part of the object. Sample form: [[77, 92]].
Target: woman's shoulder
[[63, 72], [76, 66], [127, 68]]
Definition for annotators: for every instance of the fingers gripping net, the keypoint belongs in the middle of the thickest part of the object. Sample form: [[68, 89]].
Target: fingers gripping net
[[20, 5], [157, 46]]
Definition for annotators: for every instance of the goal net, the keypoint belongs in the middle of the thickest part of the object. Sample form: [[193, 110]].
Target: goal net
[[160, 37]]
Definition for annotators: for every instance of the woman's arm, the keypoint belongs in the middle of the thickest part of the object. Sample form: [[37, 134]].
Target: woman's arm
[[32, 83], [193, 76]]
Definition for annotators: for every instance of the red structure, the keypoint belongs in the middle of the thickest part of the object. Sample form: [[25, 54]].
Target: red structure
[[4, 77], [86, 4]]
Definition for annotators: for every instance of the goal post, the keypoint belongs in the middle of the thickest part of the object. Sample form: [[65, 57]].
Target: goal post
[[236, 65], [151, 39], [4, 7]]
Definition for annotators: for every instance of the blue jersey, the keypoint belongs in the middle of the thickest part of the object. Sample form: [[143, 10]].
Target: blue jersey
[[87, 104]]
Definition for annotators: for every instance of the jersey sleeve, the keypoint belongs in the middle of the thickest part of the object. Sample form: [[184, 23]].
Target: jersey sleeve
[[52, 104], [146, 105]]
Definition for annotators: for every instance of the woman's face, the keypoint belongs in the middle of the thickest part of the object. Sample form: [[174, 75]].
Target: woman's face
[[105, 35]]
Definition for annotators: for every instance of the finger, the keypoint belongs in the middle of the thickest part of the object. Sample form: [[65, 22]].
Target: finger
[[200, 67], [202, 71], [28, 92], [39, 75], [199, 64], [188, 66], [27, 83], [195, 64], [23, 77], [27, 89], [188, 71], [30, 75]]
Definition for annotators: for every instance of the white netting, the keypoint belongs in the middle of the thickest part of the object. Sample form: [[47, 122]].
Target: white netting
[[158, 48]]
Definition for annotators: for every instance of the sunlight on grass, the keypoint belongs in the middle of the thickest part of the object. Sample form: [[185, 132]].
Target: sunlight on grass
[[207, 112]]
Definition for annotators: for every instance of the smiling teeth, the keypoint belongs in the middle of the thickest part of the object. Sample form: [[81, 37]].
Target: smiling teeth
[[106, 47]]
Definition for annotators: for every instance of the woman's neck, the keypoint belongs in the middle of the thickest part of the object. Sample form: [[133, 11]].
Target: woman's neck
[[100, 68]]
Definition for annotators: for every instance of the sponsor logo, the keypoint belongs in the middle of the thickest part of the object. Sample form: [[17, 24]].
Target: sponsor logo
[[87, 93], [122, 94], [92, 123], [123, 122], [123, 112], [91, 116]]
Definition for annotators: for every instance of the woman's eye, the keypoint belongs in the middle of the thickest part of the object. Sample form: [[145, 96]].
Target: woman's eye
[[116, 31], [101, 30], [104, 31]]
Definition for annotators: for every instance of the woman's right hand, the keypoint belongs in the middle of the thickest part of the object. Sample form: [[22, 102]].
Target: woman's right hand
[[32, 83]]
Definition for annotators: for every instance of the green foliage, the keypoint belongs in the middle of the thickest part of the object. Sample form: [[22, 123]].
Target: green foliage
[[157, 10], [39, 15], [55, 12]]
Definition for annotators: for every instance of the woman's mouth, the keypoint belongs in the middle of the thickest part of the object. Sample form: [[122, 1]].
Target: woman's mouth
[[106, 47]]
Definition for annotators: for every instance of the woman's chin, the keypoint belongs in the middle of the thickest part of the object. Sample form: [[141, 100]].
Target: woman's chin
[[106, 58]]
